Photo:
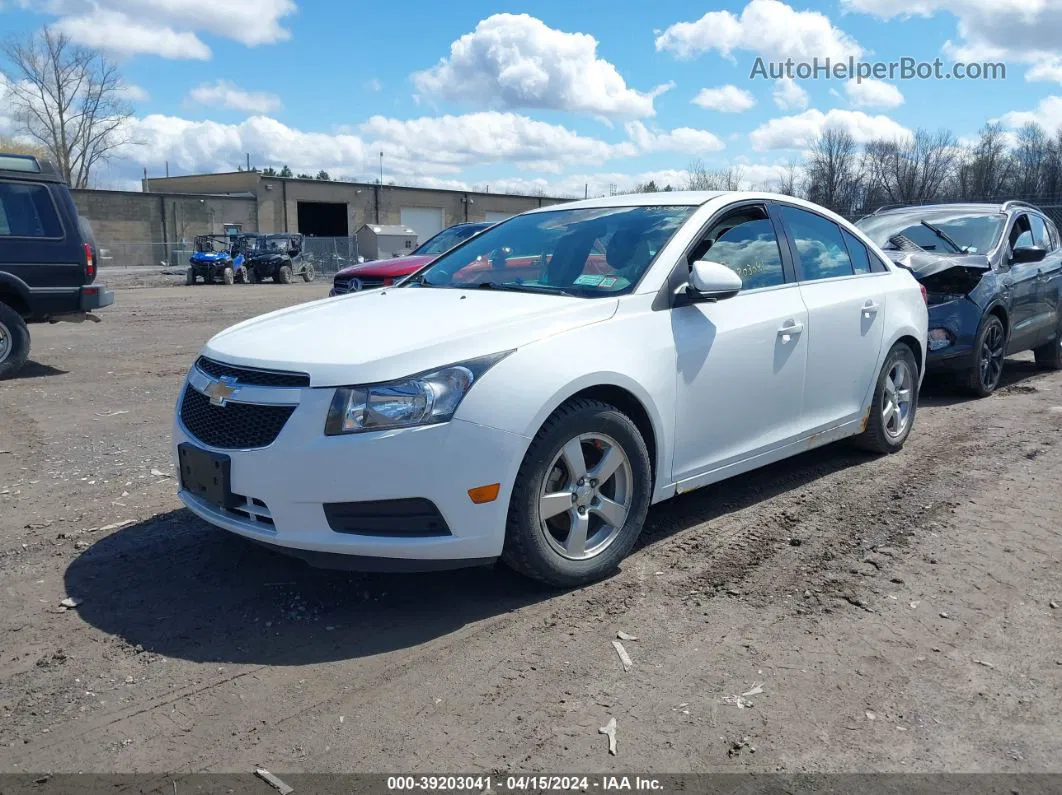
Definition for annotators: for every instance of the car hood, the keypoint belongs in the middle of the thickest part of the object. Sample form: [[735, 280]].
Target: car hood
[[926, 263], [399, 266], [386, 334]]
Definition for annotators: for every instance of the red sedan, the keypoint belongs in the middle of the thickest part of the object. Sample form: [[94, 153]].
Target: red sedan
[[384, 272]]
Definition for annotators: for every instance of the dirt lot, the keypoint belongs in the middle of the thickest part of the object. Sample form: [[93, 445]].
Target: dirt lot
[[898, 614]]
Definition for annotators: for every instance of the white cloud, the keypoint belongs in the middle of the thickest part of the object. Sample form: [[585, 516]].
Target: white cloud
[[768, 27], [682, 139], [1025, 31], [135, 93], [870, 93], [517, 61], [789, 95], [725, 99], [168, 28], [1046, 70], [800, 131], [229, 95], [1048, 114]]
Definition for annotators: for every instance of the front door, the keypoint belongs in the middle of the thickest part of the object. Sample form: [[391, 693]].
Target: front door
[[740, 360], [1022, 281], [846, 316]]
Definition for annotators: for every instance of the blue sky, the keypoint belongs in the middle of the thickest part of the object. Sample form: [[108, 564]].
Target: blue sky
[[544, 95]]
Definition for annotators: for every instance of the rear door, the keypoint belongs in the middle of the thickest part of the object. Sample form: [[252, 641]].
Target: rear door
[[1049, 277], [39, 242], [845, 294]]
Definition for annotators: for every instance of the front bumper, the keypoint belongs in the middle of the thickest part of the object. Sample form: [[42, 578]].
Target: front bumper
[[962, 320], [289, 482]]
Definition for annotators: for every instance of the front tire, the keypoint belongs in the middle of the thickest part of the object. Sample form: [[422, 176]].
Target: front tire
[[284, 274], [895, 403], [228, 276], [14, 342], [309, 274], [581, 496], [189, 277], [990, 349]]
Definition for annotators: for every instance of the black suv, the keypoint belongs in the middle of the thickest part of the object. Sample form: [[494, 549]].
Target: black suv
[[993, 278], [47, 257]]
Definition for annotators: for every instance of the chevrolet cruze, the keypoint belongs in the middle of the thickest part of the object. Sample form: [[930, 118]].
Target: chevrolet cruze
[[528, 395]]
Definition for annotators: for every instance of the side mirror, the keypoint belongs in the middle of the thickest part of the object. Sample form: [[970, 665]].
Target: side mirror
[[712, 281], [1028, 254]]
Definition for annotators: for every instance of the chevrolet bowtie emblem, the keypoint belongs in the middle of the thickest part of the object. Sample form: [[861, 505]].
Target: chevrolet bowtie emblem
[[221, 390]]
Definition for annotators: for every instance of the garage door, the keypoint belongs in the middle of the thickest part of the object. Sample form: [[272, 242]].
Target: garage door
[[494, 217], [426, 221]]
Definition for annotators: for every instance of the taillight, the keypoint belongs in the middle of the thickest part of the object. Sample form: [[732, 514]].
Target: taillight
[[90, 262], [925, 297]]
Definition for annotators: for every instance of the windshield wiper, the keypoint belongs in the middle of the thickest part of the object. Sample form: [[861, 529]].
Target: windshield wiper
[[523, 288], [943, 236]]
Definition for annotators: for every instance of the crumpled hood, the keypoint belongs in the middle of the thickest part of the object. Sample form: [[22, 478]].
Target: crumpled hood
[[924, 264], [385, 334]]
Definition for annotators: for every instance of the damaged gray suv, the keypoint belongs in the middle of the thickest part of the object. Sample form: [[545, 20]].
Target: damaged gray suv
[[993, 278]]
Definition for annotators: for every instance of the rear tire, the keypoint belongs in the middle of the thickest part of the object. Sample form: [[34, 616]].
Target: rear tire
[[576, 544], [990, 349], [252, 276], [895, 403], [1049, 355], [14, 342], [189, 276], [284, 274], [309, 274], [228, 276]]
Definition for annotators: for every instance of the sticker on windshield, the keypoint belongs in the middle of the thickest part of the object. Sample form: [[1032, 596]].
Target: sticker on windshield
[[607, 282], [589, 280]]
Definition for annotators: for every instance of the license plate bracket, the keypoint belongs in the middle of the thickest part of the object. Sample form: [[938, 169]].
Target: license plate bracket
[[206, 475]]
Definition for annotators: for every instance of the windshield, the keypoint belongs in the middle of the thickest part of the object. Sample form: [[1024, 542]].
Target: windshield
[[587, 252], [446, 240], [975, 233]]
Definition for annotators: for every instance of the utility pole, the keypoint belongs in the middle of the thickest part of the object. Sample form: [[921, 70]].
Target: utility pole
[[381, 168], [167, 169], [248, 161], [586, 190]]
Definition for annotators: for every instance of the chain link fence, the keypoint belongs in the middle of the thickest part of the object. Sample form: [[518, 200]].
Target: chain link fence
[[328, 254]]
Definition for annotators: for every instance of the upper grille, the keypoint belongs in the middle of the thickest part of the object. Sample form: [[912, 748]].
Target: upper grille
[[343, 284], [234, 426], [251, 376]]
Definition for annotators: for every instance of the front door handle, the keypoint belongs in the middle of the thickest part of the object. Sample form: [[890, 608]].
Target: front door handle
[[870, 308], [790, 330]]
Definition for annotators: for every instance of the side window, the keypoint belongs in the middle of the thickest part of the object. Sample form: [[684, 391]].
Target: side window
[[857, 252], [1039, 232], [820, 247], [1052, 232], [1021, 233], [745, 242], [27, 210]]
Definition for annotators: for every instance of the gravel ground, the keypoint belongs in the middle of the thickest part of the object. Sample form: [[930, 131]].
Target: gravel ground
[[835, 612]]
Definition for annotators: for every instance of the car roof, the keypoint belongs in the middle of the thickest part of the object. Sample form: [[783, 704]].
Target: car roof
[[17, 166], [968, 207]]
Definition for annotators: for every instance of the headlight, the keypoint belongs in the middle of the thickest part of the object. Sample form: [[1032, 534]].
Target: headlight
[[420, 400]]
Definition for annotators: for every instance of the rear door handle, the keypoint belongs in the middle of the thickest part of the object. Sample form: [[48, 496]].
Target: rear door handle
[[790, 330]]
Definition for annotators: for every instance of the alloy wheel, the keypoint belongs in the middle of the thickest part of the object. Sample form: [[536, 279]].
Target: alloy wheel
[[896, 399], [992, 351], [5, 343], [586, 496]]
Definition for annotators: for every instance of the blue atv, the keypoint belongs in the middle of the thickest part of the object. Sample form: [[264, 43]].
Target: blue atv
[[216, 259]]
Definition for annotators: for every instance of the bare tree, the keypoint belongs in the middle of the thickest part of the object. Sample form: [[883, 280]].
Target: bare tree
[[700, 177], [990, 165], [833, 170], [789, 183], [910, 170], [1031, 155], [69, 99]]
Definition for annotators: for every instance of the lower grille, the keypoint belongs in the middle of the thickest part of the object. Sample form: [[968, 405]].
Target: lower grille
[[234, 426], [415, 517]]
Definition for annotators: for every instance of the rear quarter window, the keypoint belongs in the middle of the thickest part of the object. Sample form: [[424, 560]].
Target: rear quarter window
[[27, 210]]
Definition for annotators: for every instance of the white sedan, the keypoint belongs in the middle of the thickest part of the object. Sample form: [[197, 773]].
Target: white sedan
[[532, 392]]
